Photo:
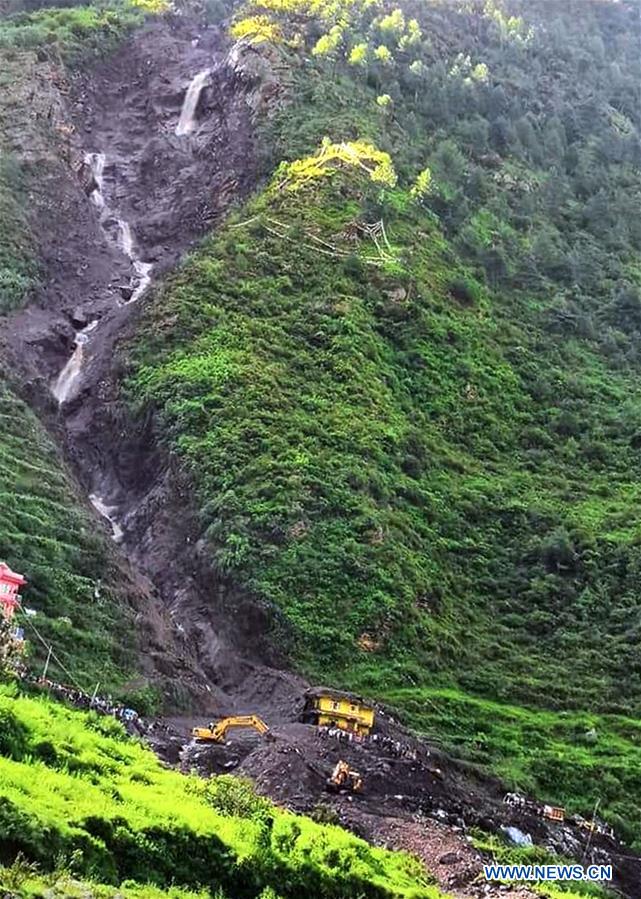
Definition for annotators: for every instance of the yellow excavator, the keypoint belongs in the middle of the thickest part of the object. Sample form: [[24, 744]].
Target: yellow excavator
[[217, 730], [344, 779]]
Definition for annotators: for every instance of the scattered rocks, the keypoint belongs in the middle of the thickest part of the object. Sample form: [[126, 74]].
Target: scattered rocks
[[397, 295], [80, 318], [517, 836]]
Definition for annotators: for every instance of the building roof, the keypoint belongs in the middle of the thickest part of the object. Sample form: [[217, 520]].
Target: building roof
[[316, 692], [11, 577]]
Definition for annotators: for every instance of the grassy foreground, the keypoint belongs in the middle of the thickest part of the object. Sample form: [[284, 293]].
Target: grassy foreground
[[74, 789], [22, 879]]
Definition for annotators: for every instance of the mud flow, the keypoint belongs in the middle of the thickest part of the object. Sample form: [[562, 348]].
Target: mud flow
[[414, 796], [160, 145]]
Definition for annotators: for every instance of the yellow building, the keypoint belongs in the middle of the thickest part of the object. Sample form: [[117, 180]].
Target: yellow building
[[330, 708]]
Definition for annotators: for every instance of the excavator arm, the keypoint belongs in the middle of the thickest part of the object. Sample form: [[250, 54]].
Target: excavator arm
[[216, 733]]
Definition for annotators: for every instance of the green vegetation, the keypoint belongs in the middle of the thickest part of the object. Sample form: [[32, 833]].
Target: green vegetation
[[18, 256], [76, 33], [23, 879], [46, 534], [17, 268], [572, 758], [410, 409], [75, 788]]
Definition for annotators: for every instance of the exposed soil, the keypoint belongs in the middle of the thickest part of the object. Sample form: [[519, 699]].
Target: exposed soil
[[170, 190], [202, 639], [415, 797]]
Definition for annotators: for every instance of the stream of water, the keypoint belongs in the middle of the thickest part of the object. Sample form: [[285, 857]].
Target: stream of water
[[63, 388], [187, 120], [96, 162], [64, 384], [108, 513], [142, 269]]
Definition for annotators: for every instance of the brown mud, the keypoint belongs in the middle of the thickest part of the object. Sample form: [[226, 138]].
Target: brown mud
[[170, 190]]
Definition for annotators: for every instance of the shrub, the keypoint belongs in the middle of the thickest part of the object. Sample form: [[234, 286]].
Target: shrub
[[13, 735], [465, 290], [237, 798]]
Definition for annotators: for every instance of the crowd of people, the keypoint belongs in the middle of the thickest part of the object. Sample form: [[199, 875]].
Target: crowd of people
[[103, 705], [395, 748]]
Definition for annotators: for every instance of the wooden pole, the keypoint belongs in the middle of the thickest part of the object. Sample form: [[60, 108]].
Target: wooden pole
[[44, 673], [592, 829]]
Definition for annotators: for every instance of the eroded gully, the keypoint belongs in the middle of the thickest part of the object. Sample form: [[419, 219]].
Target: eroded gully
[[162, 145]]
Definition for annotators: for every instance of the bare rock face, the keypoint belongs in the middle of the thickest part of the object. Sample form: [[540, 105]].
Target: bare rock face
[[261, 71]]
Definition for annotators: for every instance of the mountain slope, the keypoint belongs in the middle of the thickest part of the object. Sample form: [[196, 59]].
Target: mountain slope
[[417, 443], [85, 603], [383, 424]]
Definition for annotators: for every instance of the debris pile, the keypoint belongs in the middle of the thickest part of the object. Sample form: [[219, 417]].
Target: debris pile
[[413, 796]]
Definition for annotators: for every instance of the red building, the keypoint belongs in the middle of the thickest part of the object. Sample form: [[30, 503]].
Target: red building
[[10, 583]]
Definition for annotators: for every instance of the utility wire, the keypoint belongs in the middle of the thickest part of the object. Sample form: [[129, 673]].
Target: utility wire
[[49, 648]]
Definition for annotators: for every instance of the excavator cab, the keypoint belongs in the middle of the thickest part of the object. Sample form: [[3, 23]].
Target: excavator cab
[[217, 731], [344, 779]]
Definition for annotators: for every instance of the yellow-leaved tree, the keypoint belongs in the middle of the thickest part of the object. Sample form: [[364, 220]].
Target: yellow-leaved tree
[[256, 30], [357, 155]]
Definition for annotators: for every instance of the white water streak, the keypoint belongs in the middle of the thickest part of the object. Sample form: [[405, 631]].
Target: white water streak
[[96, 162], [107, 512], [66, 380], [126, 238], [187, 121], [142, 270]]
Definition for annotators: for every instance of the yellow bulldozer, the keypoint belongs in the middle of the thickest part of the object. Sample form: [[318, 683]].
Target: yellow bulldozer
[[217, 730]]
